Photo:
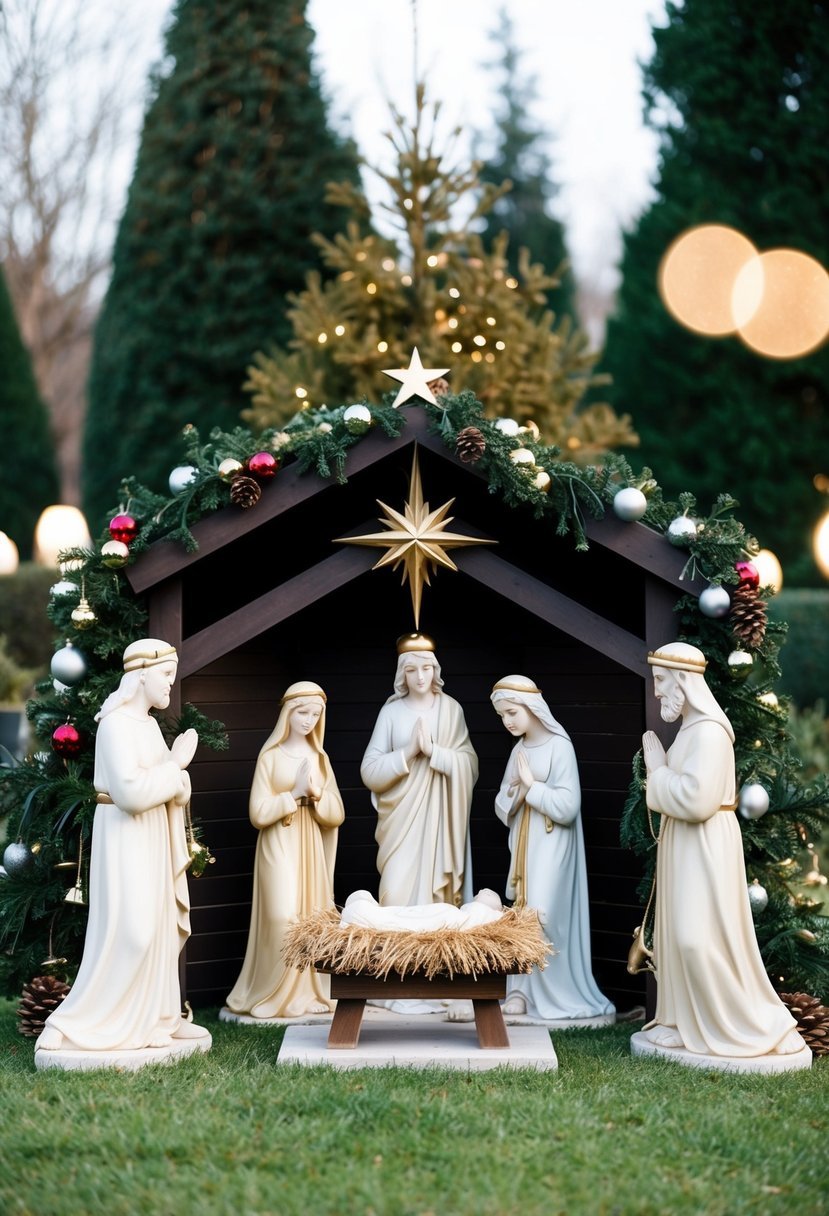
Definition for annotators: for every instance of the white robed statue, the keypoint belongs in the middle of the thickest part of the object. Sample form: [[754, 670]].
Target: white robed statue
[[540, 802], [126, 998], [714, 998], [421, 769], [296, 805]]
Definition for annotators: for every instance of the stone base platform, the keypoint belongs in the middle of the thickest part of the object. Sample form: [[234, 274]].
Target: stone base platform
[[640, 1045], [123, 1061]]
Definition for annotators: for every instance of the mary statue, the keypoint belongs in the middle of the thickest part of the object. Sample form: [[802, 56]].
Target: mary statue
[[421, 768]]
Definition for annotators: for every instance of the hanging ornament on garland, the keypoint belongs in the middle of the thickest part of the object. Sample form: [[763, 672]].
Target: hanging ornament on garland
[[83, 616], [230, 468], [748, 574], [754, 801], [63, 587], [68, 665], [67, 741], [758, 897], [740, 663], [262, 465], [114, 554], [714, 602], [123, 527], [681, 530], [470, 445], [181, 477], [245, 491], [508, 427], [17, 858], [523, 458], [629, 504], [542, 481], [357, 419], [748, 616]]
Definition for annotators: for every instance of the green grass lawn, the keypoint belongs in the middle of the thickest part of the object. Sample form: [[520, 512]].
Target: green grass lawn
[[231, 1134]]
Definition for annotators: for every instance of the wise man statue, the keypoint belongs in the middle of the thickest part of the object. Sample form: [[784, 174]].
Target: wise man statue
[[714, 997]]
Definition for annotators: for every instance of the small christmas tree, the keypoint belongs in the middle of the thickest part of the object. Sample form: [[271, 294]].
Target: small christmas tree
[[438, 288]]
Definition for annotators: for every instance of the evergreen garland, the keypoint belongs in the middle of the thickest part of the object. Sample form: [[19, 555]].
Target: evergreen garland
[[50, 802]]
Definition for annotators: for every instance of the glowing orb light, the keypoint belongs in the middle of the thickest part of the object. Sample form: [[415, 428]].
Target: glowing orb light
[[769, 569], [791, 317], [821, 545], [697, 277]]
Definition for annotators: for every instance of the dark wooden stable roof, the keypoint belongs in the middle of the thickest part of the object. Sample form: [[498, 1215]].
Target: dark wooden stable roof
[[268, 597]]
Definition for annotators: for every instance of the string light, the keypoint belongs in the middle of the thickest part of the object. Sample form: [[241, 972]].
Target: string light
[[511, 283], [408, 204], [454, 293], [479, 340], [301, 392], [360, 255], [388, 263], [440, 315], [431, 260], [490, 320], [452, 322], [371, 288], [339, 331], [382, 347], [347, 276], [500, 346], [476, 356], [323, 337], [489, 357], [457, 347], [406, 280]]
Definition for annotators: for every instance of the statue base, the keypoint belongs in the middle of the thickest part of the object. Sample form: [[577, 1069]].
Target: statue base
[[247, 1019], [640, 1045], [124, 1061]]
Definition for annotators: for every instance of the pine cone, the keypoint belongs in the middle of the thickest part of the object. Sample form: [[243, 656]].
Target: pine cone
[[440, 387], [470, 445], [40, 997], [748, 616], [812, 1020], [245, 492]]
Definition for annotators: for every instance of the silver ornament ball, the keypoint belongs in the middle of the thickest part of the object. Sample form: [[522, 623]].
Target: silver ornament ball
[[17, 858], [630, 504], [357, 419], [64, 587], [754, 801], [714, 602], [68, 665], [681, 530], [758, 897], [181, 477], [740, 663]]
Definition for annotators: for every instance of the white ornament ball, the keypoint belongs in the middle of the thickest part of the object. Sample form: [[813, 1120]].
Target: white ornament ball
[[64, 587], [17, 858], [508, 427], [740, 663], [522, 456], [357, 419], [59, 687], [542, 481], [754, 801], [681, 530], [68, 665], [630, 504], [115, 554], [758, 897], [714, 602], [181, 477]]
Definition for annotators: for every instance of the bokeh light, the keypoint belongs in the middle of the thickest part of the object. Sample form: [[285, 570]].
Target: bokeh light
[[9, 556], [821, 545], [697, 276], [792, 316], [60, 527], [769, 569]]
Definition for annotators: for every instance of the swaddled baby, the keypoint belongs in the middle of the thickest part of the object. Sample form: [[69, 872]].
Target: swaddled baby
[[362, 909]]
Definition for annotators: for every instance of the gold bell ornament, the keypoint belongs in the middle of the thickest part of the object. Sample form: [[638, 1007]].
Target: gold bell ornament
[[75, 894]]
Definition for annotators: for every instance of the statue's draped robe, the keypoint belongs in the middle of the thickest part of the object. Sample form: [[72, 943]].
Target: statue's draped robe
[[555, 882], [423, 807], [712, 985], [293, 876], [126, 995]]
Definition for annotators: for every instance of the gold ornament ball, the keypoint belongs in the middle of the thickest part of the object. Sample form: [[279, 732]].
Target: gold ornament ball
[[542, 481], [522, 456], [230, 468], [83, 616], [530, 428]]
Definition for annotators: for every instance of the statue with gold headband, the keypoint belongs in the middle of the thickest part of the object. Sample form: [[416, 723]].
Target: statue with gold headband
[[421, 769], [540, 802], [124, 1008], [715, 1003]]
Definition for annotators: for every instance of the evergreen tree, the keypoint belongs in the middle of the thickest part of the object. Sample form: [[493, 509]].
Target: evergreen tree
[[437, 288], [524, 212], [227, 189], [740, 92], [30, 480]]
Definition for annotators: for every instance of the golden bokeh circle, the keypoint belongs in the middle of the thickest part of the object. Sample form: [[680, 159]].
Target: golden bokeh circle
[[697, 276], [792, 317]]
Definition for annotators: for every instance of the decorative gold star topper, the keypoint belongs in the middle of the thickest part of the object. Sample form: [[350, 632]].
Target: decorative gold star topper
[[414, 380], [417, 539]]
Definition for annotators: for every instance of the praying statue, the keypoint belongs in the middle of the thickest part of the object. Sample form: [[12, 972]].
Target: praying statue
[[421, 768], [714, 997], [540, 802], [126, 998], [296, 805]]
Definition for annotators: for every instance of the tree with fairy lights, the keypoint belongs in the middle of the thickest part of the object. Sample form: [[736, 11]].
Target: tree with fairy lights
[[439, 288]]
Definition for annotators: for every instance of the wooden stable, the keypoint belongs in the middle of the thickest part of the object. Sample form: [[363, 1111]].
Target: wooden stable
[[269, 598]]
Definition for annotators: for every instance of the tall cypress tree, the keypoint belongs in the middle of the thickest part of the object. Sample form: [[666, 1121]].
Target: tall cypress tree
[[525, 212], [30, 480], [740, 92], [228, 186]]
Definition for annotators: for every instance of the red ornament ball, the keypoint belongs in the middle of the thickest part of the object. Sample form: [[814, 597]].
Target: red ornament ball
[[748, 574], [66, 741], [263, 465], [123, 528]]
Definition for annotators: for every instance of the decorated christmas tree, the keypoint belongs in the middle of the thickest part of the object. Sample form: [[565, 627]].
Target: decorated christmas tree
[[436, 286]]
